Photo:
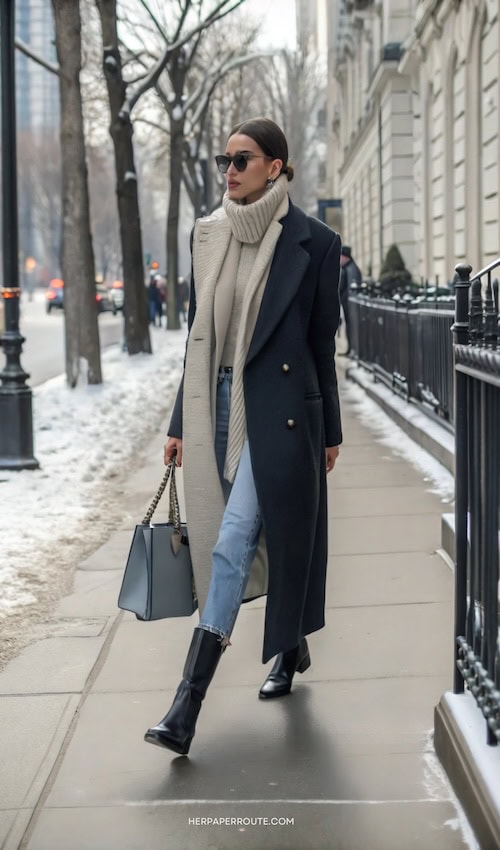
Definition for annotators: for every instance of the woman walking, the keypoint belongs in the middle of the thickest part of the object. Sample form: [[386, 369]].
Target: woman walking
[[256, 421]]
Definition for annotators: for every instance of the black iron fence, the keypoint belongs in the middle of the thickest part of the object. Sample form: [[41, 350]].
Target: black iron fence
[[406, 343], [477, 483]]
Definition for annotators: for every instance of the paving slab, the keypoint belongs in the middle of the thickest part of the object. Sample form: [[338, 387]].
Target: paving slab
[[369, 641], [113, 554], [7, 818], [391, 640], [54, 665], [93, 590], [387, 578], [325, 826], [367, 453], [406, 533], [42, 721], [307, 747], [394, 474], [154, 653], [389, 501], [13, 826]]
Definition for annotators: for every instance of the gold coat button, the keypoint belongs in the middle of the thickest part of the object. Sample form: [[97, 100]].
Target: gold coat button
[[290, 423], [285, 367]]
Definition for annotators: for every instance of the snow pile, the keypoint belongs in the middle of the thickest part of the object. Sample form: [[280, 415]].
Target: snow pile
[[84, 438], [441, 482]]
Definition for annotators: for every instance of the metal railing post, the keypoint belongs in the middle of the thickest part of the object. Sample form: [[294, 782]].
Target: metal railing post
[[460, 330]]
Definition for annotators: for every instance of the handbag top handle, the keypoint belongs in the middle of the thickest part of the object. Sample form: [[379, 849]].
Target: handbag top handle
[[174, 514]]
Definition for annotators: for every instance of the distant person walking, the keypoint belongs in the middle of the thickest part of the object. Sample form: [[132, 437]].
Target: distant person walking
[[182, 298], [256, 423], [154, 301], [349, 273]]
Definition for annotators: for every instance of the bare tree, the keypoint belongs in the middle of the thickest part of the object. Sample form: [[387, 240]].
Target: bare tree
[[77, 258], [177, 33], [105, 229], [198, 138], [136, 308], [295, 89], [39, 178]]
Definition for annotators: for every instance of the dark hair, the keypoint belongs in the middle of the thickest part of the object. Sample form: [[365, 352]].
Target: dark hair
[[269, 137]]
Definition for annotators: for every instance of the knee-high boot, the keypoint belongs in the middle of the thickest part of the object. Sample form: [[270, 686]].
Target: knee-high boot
[[279, 680], [176, 730]]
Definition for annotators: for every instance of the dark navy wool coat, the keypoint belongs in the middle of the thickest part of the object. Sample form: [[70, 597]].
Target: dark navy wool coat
[[292, 413]]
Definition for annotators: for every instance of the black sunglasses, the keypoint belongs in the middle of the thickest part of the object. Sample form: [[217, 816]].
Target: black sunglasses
[[239, 160]]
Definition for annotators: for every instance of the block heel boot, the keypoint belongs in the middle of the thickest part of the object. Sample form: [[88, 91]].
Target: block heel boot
[[176, 730], [279, 680]]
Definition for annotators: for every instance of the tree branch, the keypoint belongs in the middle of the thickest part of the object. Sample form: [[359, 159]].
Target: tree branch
[[151, 79], [24, 48], [206, 88]]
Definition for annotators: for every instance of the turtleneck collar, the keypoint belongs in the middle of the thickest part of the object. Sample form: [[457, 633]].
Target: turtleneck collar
[[249, 222]]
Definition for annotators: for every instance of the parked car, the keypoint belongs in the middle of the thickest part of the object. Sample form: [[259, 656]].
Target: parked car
[[55, 295], [2, 320], [117, 295], [103, 299]]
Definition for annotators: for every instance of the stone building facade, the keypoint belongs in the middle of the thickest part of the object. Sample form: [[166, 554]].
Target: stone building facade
[[414, 130]]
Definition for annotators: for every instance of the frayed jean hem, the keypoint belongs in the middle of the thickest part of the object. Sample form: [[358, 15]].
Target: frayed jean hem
[[224, 639]]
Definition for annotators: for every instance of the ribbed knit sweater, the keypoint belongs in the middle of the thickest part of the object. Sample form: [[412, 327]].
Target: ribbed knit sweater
[[249, 223]]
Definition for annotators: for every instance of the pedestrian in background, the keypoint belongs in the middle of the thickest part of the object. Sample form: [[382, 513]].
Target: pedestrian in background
[[350, 273], [256, 422], [182, 298], [154, 301]]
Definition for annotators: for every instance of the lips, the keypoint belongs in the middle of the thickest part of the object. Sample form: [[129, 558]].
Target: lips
[[232, 184]]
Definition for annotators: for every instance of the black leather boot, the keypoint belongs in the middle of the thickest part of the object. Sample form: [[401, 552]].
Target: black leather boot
[[279, 681], [176, 730]]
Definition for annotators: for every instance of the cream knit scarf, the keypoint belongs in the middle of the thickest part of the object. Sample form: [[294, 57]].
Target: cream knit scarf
[[250, 224]]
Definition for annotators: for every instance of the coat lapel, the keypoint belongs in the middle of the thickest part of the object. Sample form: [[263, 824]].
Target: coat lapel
[[210, 244], [287, 271]]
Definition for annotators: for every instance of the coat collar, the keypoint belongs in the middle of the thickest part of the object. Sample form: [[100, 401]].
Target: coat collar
[[289, 264]]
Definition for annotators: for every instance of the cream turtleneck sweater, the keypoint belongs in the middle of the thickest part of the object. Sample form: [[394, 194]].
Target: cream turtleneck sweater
[[250, 225], [248, 222]]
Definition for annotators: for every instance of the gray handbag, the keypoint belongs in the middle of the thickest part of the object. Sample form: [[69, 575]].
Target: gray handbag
[[158, 579]]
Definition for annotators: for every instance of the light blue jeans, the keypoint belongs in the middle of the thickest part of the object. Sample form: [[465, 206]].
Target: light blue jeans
[[239, 532]]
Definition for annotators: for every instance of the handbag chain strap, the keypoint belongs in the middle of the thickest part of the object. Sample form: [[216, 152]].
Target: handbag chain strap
[[174, 514]]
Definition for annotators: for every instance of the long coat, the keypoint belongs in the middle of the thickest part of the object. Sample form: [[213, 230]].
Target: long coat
[[292, 413]]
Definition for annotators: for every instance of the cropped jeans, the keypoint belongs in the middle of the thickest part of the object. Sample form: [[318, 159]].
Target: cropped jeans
[[240, 529]]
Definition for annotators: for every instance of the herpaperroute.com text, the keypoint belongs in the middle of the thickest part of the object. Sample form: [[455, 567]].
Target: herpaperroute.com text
[[234, 821]]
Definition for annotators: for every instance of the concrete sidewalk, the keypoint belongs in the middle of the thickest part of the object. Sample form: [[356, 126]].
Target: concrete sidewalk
[[347, 758]]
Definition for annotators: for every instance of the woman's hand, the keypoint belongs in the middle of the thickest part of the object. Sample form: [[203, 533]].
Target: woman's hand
[[332, 454], [172, 448]]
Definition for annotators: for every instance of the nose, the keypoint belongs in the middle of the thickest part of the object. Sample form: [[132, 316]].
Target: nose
[[231, 170]]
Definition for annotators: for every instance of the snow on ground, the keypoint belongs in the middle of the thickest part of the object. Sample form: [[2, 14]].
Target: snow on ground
[[440, 481], [84, 439]]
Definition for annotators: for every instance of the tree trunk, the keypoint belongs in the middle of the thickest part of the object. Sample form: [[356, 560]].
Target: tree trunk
[[136, 307], [176, 156], [77, 257]]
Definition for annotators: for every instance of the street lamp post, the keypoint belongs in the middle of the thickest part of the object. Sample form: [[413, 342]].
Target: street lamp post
[[16, 422]]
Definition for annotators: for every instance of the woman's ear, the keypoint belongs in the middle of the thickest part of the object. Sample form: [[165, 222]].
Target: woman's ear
[[276, 168]]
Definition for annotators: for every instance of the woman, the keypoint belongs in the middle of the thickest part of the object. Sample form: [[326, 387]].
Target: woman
[[256, 421]]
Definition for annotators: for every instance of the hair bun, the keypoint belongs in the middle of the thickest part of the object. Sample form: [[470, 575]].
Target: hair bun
[[288, 170]]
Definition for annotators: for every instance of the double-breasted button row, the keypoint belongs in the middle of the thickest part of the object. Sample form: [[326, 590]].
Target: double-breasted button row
[[290, 423]]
